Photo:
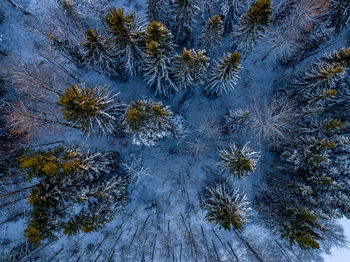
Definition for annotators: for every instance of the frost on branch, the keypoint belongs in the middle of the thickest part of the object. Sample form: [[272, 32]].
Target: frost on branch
[[236, 120], [91, 109], [190, 68], [212, 34], [225, 207], [157, 63], [148, 121], [97, 52], [126, 32], [237, 161], [251, 26], [224, 75]]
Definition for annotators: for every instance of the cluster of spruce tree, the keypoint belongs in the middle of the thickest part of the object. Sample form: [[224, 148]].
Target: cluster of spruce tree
[[67, 178], [314, 167], [129, 46]]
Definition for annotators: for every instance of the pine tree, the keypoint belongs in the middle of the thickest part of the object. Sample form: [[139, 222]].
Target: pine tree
[[126, 35], [158, 32], [238, 161], [323, 76], [236, 120], [319, 98], [158, 47], [341, 57], [212, 33], [185, 12], [339, 14], [96, 52], [67, 178], [91, 109], [224, 75], [190, 67], [225, 207], [157, 70], [251, 26], [327, 126], [156, 10], [148, 121], [231, 10]]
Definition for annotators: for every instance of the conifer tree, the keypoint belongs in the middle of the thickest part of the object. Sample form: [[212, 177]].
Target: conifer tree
[[322, 77], [225, 207], [62, 176], [185, 12], [339, 13], [341, 57], [238, 161], [157, 70], [327, 126], [158, 32], [158, 47], [126, 35], [156, 10], [190, 67], [251, 27], [96, 52], [224, 75], [236, 120], [231, 10], [91, 109], [212, 33], [148, 121]]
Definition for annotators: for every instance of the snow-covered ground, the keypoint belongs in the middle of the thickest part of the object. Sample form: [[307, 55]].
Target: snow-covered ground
[[163, 221]]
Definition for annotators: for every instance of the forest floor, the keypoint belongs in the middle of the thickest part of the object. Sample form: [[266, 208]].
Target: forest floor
[[163, 220]]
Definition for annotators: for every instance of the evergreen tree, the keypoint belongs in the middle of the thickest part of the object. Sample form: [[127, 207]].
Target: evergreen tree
[[148, 121], [96, 52], [319, 98], [62, 175], [156, 10], [91, 109], [327, 126], [158, 47], [341, 57], [225, 207], [126, 35], [236, 120], [212, 33], [251, 26], [231, 10], [157, 70], [190, 67], [339, 13], [224, 75], [322, 77], [158, 32], [238, 161], [185, 12]]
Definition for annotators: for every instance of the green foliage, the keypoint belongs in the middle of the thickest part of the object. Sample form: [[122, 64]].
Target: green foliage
[[212, 33], [226, 208], [126, 36], [190, 67], [302, 228], [238, 161], [260, 13], [67, 178], [251, 25], [158, 32], [148, 121], [224, 75], [90, 109], [341, 57], [51, 163]]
